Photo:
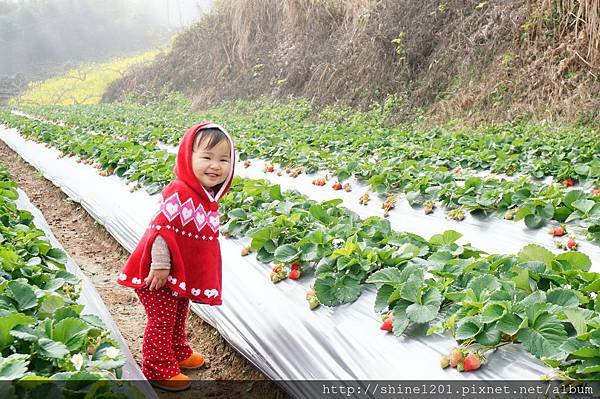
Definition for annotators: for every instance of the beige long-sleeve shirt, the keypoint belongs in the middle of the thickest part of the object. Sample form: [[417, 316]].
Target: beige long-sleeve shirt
[[160, 254]]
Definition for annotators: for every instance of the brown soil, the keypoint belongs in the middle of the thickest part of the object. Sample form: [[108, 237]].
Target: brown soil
[[101, 257]]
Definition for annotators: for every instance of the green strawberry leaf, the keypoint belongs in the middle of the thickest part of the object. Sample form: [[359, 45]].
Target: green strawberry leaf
[[400, 320], [562, 297], [510, 323], [534, 252], [574, 260], [383, 294], [468, 328], [543, 336], [51, 349], [492, 312], [23, 294], [411, 290], [577, 320], [428, 309], [286, 253], [388, 275], [13, 367], [8, 322], [483, 283], [446, 238], [490, 335], [71, 332]]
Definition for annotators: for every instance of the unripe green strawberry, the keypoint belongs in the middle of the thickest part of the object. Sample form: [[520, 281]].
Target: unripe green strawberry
[[313, 302], [277, 276], [444, 362], [460, 367]]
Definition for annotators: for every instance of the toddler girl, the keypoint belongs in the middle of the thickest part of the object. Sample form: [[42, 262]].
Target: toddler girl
[[178, 258]]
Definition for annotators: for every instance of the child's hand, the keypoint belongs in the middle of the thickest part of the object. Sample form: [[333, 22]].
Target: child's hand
[[157, 279]]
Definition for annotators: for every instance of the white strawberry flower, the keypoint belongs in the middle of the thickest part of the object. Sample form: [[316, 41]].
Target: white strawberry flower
[[77, 360], [567, 286], [593, 295], [112, 352]]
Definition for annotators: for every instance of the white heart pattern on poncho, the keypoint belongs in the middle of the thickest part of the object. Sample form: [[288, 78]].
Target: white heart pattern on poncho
[[211, 293], [182, 285], [187, 211], [213, 220], [123, 277], [136, 280], [195, 291]]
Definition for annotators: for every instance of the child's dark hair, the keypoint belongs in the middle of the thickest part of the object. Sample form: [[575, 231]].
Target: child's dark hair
[[213, 135]]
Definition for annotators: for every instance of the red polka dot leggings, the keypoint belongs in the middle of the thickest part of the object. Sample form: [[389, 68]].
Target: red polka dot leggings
[[165, 342]]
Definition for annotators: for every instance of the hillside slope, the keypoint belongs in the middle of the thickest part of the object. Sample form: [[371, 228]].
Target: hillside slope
[[476, 60]]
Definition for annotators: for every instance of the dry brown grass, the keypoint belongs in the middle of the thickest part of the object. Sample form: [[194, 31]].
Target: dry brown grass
[[492, 60]]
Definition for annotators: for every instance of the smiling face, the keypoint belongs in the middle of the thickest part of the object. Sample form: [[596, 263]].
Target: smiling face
[[211, 164]]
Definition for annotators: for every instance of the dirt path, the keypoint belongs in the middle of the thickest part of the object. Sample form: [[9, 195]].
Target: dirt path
[[101, 257]]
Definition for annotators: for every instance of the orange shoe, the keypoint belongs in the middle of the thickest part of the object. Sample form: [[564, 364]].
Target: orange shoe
[[180, 382], [195, 361]]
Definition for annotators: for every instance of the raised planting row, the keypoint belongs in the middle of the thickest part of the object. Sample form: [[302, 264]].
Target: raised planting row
[[544, 302], [43, 335], [518, 199], [347, 143]]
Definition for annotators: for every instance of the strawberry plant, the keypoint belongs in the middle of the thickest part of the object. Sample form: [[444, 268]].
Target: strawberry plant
[[43, 334]]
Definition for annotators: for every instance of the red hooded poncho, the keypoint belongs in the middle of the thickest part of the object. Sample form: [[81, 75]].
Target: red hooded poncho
[[188, 220]]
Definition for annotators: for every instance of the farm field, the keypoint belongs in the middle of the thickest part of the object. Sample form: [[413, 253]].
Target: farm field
[[539, 298]]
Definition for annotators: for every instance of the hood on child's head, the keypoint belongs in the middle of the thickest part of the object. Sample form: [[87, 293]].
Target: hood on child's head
[[183, 166]]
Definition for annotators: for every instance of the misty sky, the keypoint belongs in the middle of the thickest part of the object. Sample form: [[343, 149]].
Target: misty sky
[[174, 13]]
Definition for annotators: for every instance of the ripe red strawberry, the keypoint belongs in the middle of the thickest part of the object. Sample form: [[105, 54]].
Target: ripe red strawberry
[[596, 192], [295, 266], [568, 182], [472, 362], [288, 170], [387, 324], [269, 168], [246, 163], [456, 357], [571, 244], [294, 274], [558, 232], [337, 186]]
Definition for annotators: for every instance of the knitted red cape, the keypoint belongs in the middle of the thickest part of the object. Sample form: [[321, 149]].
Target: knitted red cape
[[188, 220]]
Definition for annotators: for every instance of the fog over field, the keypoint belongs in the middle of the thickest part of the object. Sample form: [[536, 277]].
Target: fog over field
[[37, 36]]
